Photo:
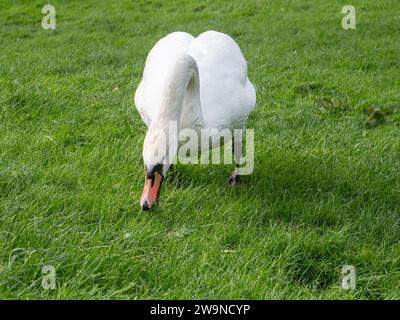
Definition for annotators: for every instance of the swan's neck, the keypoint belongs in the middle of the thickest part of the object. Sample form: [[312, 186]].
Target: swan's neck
[[180, 97]]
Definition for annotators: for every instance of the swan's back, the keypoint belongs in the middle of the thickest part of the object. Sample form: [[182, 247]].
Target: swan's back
[[226, 94]]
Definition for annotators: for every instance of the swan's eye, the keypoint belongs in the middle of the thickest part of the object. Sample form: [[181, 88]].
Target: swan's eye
[[151, 170]]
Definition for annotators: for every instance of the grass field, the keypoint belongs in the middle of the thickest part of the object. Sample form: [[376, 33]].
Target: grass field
[[325, 191]]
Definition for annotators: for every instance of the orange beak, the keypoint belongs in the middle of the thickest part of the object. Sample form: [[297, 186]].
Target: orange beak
[[151, 191]]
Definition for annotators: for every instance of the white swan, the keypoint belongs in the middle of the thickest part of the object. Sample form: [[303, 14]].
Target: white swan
[[199, 83]]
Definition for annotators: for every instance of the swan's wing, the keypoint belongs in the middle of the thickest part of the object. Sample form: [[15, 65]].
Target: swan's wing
[[227, 95], [147, 96]]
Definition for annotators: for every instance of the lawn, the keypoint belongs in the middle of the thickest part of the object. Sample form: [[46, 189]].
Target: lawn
[[325, 191]]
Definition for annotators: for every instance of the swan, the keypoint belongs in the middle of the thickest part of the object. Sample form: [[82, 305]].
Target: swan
[[198, 83]]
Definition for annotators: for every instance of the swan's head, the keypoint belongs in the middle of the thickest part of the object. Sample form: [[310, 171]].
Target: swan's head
[[156, 157]]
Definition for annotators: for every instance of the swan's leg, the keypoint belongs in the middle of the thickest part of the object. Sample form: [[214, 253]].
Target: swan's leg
[[237, 153]]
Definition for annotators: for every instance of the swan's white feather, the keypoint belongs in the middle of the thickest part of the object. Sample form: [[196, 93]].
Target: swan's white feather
[[226, 95]]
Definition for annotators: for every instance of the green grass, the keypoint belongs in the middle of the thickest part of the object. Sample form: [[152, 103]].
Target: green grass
[[326, 186]]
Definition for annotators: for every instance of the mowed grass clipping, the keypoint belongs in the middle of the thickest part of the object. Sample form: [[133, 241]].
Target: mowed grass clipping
[[325, 191]]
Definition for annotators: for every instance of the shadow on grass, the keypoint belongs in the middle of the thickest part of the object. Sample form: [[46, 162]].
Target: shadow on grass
[[295, 190]]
